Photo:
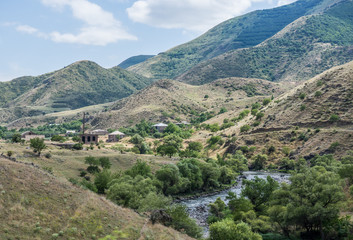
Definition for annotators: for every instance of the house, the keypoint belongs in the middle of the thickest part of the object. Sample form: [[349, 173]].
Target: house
[[99, 132], [70, 132], [88, 138], [160, 127], [28, 135], [115, 136]]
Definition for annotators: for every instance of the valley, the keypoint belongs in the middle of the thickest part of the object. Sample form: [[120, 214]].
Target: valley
[[127, 152]]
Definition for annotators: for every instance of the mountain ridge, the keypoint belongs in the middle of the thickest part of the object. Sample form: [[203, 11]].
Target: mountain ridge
[[240, 32]]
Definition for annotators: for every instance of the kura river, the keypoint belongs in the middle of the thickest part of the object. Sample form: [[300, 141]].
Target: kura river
[[198, 207]]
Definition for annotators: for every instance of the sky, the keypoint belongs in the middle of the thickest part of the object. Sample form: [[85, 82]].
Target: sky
[[40, 36]]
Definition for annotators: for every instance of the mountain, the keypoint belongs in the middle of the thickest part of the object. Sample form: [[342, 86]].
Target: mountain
[[313, 118], [303, 49], [37, 205], [241, 32], [77, 85], [167, 100], [134, 60]]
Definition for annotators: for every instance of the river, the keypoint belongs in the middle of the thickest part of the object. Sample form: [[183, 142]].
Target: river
[[198, 207]]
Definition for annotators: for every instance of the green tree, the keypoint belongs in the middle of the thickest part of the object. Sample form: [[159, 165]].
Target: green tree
[[259, 191], [38, 145], [105, 162], [139, 168], [311, 201], [182, 221], [228, 229], [16, 138], [259, 161], [101, 181], [189, 168], [169, 176]]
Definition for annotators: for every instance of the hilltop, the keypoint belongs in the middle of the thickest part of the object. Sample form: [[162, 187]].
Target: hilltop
[[303, 49], [37, 205], [170, 100], [241, 32], [78, 85], [134, 60]]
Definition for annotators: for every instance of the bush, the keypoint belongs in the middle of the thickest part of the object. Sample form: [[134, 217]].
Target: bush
[[16, 138], [318, 94], [77, 146], [259, 115], [334, 118], [182, 222], [266, 101], [222, 110], [228, 229], [302, 96], [245, 128], [302, 107], [57, 138]]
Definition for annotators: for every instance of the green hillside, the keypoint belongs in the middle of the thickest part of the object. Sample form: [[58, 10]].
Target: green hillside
[[134, 60], [240, 32], [77, 85], [305, 48]]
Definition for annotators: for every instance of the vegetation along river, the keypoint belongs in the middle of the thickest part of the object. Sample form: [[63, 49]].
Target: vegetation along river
[[198, 207]]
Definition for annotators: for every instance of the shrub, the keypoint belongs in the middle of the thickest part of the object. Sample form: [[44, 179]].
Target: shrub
[[302, 96], [16, 138], [266, 101], [9, 153], [259, 115], [245, 128], [206, 96], [57, 138], [255, 105], [302, 107], [334, 118], [334, 146], [254, 111], [318, 93], [222, 110], [77, 146], [48, 155], [256, 123], [271, 149]]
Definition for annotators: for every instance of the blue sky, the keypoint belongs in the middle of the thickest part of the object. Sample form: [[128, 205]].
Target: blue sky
[[40, 36]]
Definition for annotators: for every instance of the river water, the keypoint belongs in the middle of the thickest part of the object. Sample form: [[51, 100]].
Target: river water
[[198, 207]]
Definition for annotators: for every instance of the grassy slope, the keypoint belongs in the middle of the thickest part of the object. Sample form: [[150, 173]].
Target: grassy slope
[[302, 50], [36, 205], [240, 32], [284, 114], [168, 100]]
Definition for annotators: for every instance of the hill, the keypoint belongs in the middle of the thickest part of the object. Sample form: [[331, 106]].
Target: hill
[[313, 118], [305, 48], [171, 100], [134, 60], [37, 205], [241, 32], [78, 85]]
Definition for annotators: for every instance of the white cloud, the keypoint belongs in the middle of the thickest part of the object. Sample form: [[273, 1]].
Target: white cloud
[[26, 29], [195, 15], [100, 27], [285, 2]]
